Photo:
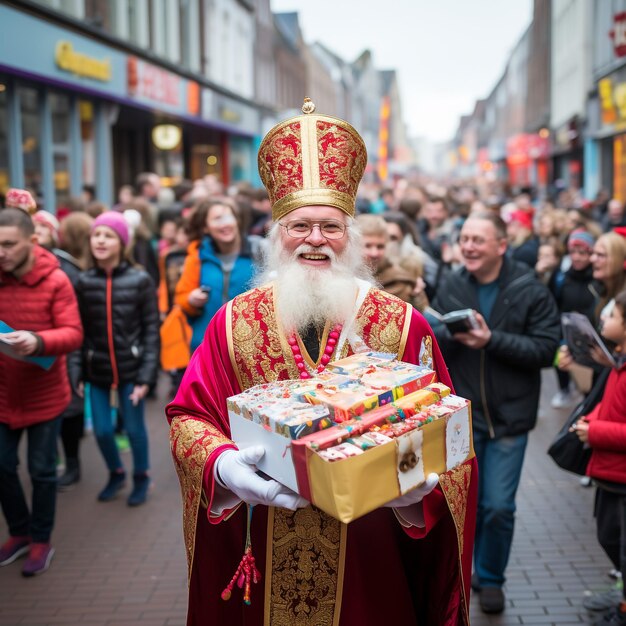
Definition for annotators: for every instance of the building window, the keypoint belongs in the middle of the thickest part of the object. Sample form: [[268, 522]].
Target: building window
[[190, 34], [99, 14], [75, 8], [31, 138], [87, 136], [207, 39], [158, 27], [224, 53], [241, 162], [61, 148], [137, 11], [165, 29], [172, 32]]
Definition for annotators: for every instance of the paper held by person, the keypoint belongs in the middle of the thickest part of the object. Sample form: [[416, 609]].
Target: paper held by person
[[581, 339]]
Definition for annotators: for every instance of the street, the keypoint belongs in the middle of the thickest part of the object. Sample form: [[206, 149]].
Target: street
[[117, 566]]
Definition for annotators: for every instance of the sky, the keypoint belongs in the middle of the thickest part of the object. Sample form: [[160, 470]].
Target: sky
[[447, 53]]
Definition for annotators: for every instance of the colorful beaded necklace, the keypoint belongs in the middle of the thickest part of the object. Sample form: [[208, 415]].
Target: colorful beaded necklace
[[327, 352]]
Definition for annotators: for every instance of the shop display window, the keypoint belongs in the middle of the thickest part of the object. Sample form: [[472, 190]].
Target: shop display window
[[61, 147], [87, 136], [241, 159], [619, 167], [31, 139]]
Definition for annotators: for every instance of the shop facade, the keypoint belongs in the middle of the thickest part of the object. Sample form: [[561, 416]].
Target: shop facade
[[527, 160], [608, 131], [77, 111]]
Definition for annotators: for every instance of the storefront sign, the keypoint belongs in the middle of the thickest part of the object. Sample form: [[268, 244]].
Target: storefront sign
[[484, 163], [612, 95], [42, 49], [81, 64], [383, 138], [229, 111], [230, 115], [522, 151], [193, 98], [147, 81], [618, 34], [523, 148]]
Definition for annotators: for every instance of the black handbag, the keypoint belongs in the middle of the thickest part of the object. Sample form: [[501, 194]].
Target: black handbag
[[567, 450]]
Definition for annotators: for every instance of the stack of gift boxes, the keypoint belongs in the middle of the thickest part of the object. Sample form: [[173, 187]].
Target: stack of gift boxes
[[362, 432]]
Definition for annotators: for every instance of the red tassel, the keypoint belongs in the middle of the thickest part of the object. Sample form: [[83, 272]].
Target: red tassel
[[246, 571]]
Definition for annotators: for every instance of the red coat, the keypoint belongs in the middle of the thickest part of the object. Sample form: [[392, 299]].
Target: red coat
[[41, 301], [607, 431]]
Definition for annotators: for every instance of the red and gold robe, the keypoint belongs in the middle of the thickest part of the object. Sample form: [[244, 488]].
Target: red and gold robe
[[316, 570]]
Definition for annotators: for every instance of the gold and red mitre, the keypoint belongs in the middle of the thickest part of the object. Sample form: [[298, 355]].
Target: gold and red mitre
[[312, 159]]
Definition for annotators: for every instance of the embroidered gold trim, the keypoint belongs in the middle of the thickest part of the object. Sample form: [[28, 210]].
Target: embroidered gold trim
[[258, 351], [229, 339], [343, 545], [269, 549], [337, 121], [192, 441], [310, 161], [297, 560], [454, 485], [385, 316], [304, 568], [313, 197], [405, 332]]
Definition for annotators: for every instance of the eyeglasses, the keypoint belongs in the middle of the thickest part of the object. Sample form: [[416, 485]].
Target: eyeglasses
[[300, 229]]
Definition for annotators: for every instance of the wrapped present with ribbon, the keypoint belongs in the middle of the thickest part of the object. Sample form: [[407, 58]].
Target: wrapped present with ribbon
[[380, 417], [292, 419], [368, 386], [347, 452], [348, 485]]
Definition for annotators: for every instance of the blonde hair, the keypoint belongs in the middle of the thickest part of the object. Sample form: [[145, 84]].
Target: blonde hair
[[74, 234], [372, 226], [616, 255]]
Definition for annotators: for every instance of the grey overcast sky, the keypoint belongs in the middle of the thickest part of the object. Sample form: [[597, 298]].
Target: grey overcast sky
[[448, 53]]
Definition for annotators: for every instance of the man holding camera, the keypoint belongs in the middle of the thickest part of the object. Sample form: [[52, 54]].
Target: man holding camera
[[512, 332]]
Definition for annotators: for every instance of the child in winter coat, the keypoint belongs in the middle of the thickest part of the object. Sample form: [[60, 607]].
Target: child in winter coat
[[604, 430], [120, 354]]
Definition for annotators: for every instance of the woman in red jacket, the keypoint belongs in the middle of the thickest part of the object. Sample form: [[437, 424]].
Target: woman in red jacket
[[604, 429]]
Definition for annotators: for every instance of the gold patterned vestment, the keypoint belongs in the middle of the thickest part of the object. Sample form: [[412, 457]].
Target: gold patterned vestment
[[306, 556]]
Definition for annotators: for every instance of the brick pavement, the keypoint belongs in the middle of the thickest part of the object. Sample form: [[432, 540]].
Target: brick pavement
[[117, 566]]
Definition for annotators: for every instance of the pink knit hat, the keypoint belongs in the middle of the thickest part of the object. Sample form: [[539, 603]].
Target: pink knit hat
[[47, 219], [20, 199], [115, 221]]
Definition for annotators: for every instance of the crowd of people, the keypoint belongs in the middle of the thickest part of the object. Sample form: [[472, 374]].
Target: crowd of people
[[113, 295]]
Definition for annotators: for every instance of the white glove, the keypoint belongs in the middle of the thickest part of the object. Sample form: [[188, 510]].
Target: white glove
[[235, 470], [416, 495]]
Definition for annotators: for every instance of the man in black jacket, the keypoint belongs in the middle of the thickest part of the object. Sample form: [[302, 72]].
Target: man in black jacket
[[497, 365]]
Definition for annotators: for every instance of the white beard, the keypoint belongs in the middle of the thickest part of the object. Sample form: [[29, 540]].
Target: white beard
[[308, 295]]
